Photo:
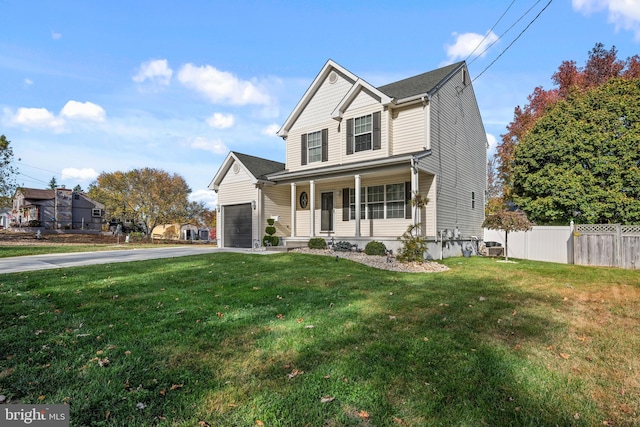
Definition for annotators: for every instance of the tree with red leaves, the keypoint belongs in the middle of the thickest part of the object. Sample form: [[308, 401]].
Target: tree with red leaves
[[602, 65]]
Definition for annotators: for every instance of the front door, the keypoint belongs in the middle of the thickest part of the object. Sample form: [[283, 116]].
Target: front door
[[326, 212]]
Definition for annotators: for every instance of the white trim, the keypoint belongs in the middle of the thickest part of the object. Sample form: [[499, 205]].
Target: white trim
[[351, 95], [312, 208]]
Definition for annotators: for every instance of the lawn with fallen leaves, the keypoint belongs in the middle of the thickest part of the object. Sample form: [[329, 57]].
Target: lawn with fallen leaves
[[233, 339]]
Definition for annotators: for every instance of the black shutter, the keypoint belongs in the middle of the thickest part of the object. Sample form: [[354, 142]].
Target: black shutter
[[325, 145], [345, 204], [303, 154], [377, 140], [350, 136], [407, 198]]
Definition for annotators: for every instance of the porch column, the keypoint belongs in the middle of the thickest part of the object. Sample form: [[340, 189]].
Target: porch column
[[312, 208], [357, 184], [415, 188], [294, 201]]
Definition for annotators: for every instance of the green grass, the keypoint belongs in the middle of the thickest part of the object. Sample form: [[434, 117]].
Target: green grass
[[242, 340]]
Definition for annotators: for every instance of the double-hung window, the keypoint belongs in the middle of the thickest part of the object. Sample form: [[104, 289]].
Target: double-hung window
[[362, 133], [314, 146], [379, 202]]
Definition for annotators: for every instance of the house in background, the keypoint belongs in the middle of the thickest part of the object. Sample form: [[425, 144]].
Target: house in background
[[61, 208], [356, 156]]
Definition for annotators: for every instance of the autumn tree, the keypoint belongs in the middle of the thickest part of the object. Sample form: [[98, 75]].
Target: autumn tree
[[581, 160], [7, 170], [507, 221], [602, 65], [147, 196]]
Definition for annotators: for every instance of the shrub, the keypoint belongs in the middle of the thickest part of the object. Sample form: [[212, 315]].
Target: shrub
[[35, 223], [317, 243], [270, 240], [342, 246], [413, 246], [375, 248]]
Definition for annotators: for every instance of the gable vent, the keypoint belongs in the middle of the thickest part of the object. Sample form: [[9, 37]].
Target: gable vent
[[236, 168], [333, 77]]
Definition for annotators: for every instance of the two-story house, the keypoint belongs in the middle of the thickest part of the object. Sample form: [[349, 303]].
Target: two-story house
[[61, 208], [356, 157]]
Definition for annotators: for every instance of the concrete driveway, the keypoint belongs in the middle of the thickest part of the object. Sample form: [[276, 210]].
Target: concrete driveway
[[75, 259]]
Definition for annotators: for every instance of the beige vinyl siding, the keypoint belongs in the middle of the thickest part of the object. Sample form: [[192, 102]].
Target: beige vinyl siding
[[369, 154], [317, 116], [408, 129], [276, 202], [235, 189], [458, 158]]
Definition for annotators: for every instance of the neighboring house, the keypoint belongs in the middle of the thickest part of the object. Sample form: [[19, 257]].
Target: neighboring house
[[5, 217], [176, 232], [56, 209], [356, 156]]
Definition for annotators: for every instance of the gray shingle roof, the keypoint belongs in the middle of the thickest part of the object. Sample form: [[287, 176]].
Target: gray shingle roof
[[37, 194], [419, 84], [258, 166]]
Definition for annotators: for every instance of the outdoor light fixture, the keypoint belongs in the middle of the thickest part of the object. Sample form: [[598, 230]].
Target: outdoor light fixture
[[253, 205]]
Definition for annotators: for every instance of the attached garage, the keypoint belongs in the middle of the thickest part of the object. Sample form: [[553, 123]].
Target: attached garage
[[238, 230]]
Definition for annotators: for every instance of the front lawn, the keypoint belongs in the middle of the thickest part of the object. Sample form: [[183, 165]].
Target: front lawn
[[233, 339]]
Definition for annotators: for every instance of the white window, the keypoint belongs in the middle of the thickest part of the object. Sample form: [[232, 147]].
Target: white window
[[314, 146], [362, 132], [395, 201], [379, 202]]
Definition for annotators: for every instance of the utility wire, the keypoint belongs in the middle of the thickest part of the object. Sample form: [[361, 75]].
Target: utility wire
[[490, 31], [506, 31], [514, 40]]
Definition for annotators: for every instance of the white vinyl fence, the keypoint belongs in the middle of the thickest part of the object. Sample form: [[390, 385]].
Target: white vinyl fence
[[542, 243]]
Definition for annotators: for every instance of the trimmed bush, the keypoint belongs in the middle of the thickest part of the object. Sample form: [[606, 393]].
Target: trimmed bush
[[270, 240], [317, 243], [375, 248], [342, 246]]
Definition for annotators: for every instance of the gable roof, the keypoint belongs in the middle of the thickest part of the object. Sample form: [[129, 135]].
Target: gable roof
[[36, 194], [257, 167], [391, 94], [421, 84]]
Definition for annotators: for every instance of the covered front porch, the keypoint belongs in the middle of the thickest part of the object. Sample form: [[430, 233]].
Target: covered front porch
[[325, 205]]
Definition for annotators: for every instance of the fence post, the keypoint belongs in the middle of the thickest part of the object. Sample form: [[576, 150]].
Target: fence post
[[618, 261], [571, 259]]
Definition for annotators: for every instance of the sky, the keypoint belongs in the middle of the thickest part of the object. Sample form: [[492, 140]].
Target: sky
[[91, 87]]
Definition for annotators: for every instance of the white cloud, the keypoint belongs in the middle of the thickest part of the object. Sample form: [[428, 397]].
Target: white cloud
[[37, 118], [216, 146], [492, 141], [271, 130], [470, 43], [220, 121], [221, 86], [84, 174], [623, 14], [209, 197], [28, 81], [83, 111], [157, 71], [55, 35]]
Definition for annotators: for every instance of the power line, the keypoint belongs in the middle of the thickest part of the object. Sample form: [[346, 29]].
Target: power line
[[506, 31], [490, 31], [514, 40], [35, 167]]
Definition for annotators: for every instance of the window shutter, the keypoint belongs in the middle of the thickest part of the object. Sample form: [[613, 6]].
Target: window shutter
[[350, 136], [303, 154], [325, 145], [407, 198], [377, 140], [345, 204]]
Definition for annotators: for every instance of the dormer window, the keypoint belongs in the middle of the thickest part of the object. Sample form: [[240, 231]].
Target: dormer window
[[362, 133]]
